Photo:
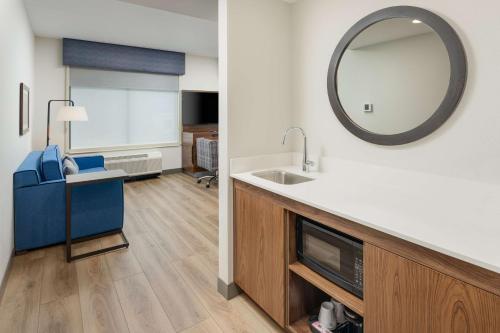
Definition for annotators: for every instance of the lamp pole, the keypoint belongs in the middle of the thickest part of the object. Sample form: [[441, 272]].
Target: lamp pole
[[48, 113]]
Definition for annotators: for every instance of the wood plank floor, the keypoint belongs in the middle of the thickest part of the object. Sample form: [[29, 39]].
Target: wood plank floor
[[165, 282]]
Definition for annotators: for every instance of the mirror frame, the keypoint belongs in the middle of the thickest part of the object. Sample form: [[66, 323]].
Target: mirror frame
[[456, 86]]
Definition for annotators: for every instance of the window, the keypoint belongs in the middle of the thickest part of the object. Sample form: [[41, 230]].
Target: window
[[124, 109]]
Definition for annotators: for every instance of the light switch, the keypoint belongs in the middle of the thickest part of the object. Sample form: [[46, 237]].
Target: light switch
[[368, 107]]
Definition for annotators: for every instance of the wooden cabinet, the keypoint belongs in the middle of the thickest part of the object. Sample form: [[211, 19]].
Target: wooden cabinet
[[394, 293], [259, 255], [459, 307], [403, 296], [407, 288]]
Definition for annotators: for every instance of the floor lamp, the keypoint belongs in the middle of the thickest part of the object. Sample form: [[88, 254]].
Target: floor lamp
[[66, 113]]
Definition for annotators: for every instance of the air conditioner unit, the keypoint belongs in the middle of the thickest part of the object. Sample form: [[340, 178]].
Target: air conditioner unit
[[135, 163]]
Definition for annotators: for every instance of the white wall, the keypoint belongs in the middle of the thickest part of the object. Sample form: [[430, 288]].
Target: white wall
[[201, 74], [259, 75], [465, 146], [16, 66], [225, 202], [50, 80], [255, 107]]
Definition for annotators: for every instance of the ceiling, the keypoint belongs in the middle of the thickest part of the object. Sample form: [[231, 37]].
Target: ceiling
[[127, 23], [204, 9]]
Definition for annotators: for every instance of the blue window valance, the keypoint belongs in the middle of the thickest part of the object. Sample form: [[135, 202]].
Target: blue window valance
[[81, 53]]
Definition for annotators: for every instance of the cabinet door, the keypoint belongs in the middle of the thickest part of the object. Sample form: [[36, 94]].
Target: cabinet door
[[395, 293], [403, 296], [460, 307], [260, 251]]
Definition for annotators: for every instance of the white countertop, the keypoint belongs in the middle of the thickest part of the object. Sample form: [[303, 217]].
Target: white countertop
[[457, 217]]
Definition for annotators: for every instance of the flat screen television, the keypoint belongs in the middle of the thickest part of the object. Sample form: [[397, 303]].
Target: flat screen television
[[200, 108]]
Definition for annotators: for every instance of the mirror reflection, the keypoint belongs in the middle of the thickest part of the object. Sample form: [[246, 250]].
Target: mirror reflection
[[393, 76]]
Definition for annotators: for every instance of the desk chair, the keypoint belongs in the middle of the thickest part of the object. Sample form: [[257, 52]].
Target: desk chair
[[207, 152]]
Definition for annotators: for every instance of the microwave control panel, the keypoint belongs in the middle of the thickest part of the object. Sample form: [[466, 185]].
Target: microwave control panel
[[358, 272]]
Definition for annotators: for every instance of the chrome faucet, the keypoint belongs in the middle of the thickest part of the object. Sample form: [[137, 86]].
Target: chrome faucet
[[305, 162]]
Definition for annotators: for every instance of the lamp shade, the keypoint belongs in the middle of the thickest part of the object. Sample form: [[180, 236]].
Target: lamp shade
[[72, 113]]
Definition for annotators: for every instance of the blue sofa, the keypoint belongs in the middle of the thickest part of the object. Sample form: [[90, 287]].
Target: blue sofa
[[40, 201]]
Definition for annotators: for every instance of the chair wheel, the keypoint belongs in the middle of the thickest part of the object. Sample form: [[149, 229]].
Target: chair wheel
[[198, 181], [207, 186]]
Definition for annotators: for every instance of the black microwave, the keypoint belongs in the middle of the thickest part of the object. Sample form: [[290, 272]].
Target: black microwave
[[332, 254]]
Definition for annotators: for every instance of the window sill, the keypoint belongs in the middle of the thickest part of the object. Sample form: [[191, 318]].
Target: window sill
[[121, 148]]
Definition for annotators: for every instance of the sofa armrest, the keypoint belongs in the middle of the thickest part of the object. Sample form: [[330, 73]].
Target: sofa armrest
[[97, 208], [88, 162], [39, 215]]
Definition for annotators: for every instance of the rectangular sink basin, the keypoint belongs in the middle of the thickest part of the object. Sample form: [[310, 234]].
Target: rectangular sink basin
[[282, 177]]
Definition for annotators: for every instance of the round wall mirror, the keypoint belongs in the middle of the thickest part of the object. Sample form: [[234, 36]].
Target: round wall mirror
[[397, 75]]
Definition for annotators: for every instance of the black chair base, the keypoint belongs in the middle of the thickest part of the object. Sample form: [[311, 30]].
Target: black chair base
[[211, 179]]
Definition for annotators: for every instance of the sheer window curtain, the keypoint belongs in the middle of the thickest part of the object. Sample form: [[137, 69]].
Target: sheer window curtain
[[125, 110]]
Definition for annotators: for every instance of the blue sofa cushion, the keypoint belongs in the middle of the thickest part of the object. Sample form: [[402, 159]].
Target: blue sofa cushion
[[51, 163], [88, 162], [27, 174]]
